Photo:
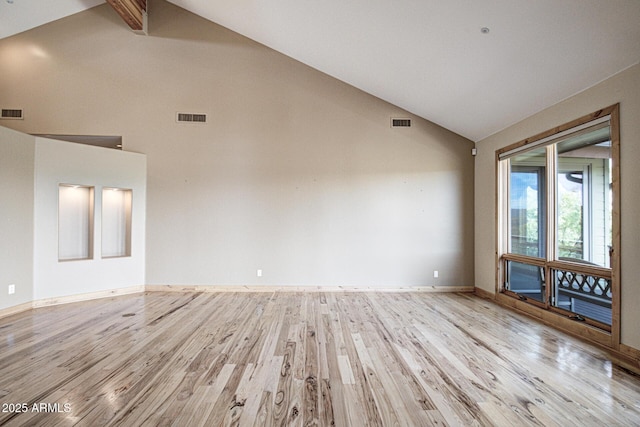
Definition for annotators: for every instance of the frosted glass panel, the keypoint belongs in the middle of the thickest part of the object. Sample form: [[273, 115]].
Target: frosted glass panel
[[116, 222], [75, 222]]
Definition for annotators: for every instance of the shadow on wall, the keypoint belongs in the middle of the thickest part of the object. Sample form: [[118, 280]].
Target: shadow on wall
[[163, 17]]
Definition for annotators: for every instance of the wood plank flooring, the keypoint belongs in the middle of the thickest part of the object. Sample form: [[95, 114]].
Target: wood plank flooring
[[302, 358]]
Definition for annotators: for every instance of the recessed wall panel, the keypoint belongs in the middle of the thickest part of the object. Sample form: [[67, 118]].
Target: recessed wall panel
[[116, 222], [75, 222]]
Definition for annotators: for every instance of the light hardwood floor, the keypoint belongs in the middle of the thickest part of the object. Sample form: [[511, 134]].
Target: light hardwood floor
[[303, 358]]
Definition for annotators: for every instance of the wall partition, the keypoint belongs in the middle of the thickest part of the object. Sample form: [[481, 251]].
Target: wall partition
[[89, 220]]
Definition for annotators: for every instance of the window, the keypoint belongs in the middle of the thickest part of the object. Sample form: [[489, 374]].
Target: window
[[557, 222], [527, 197]]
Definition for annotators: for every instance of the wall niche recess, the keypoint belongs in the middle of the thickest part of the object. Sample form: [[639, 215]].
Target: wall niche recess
[[116, 222], [75, 222]]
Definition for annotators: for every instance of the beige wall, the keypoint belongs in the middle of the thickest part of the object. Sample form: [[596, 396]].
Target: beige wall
[[296, 173], [623, 88], [17, 153]]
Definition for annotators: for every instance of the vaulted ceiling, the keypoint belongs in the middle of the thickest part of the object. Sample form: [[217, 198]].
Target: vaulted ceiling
[[472, 66]]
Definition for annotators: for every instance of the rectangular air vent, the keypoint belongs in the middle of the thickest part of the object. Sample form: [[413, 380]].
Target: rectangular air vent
[[191, 118], [400, 123], [12, 114]]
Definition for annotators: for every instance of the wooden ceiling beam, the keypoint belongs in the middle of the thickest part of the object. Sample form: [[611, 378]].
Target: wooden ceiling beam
[[133, 12]]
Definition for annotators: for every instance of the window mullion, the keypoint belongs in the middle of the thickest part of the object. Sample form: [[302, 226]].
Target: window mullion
[[551, 198], [550, 220]]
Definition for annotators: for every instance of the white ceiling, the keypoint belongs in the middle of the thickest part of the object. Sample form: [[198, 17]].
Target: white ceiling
[[427, 56]]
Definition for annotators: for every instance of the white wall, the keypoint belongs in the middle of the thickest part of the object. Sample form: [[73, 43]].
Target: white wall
[[623, 88], [58, 162], [17, 152], [295, 173]]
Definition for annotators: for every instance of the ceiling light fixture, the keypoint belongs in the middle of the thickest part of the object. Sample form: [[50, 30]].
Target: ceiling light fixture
[[484, 30], [10, 1]]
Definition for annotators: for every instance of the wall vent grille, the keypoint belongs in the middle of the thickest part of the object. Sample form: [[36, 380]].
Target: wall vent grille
[[191, 118], [12, 114], [400, 123]]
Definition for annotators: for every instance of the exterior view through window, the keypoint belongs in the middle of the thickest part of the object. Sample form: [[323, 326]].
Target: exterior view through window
[[556, 221]]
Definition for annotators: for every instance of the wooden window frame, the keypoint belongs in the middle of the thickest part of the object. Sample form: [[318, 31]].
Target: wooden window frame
[[590, 330]]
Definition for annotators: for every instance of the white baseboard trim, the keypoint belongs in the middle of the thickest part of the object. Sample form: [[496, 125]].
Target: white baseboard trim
[[46, 302], [6, 312], [270, 289], [88, 296]]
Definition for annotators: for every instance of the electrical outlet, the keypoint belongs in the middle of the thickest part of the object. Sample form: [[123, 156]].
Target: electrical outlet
[[259, 273], [12, 289], [435, 273]]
